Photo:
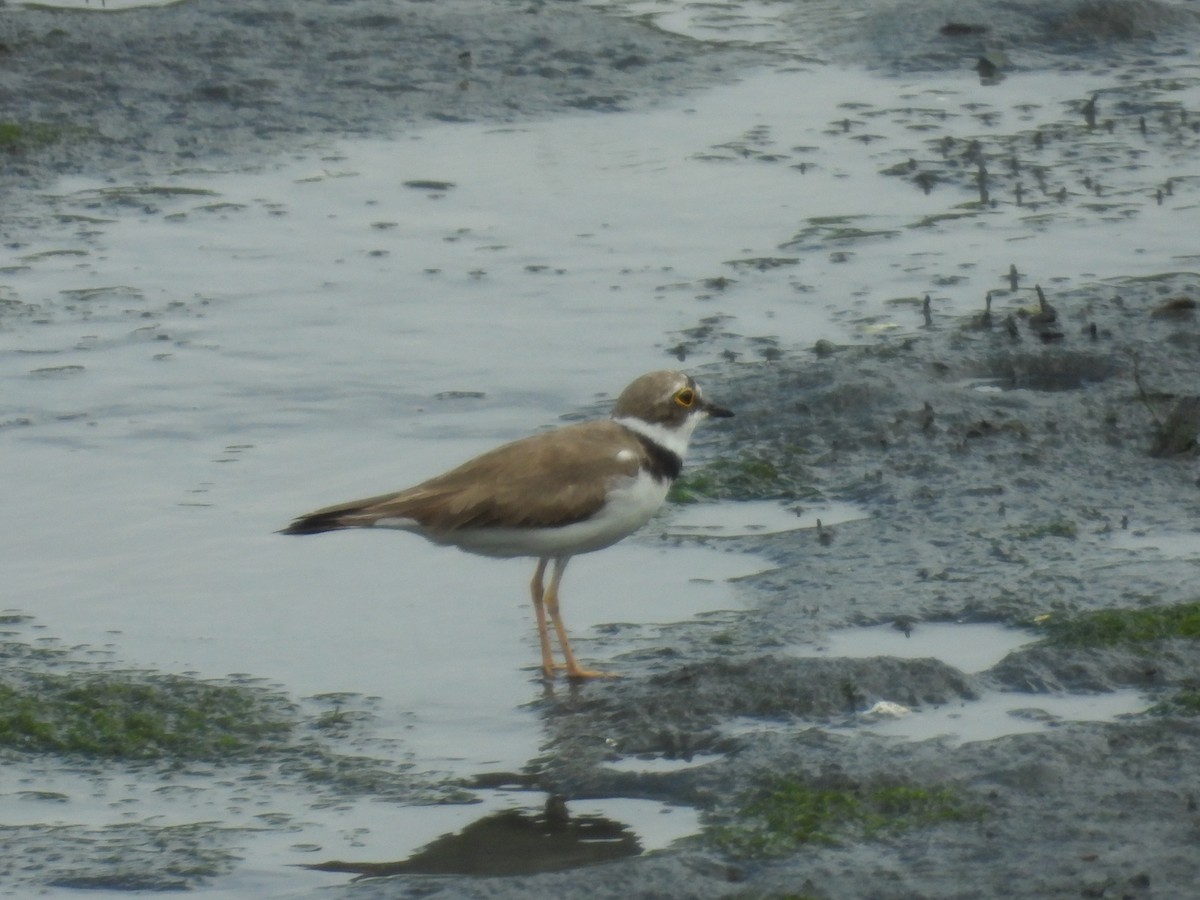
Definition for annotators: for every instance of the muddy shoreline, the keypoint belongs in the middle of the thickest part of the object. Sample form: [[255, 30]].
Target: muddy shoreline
[[987, 505], [998, 464], [215, 85]]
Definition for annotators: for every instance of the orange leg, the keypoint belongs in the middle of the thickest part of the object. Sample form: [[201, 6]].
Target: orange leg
[[551, 603], [539, 611]]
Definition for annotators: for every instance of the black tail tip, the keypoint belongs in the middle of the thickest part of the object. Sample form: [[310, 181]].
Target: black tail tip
[[312, 525]]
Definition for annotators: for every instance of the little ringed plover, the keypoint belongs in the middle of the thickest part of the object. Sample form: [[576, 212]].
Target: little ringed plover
[[575, 489]]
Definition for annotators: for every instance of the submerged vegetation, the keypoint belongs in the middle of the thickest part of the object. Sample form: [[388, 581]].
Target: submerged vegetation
[[1125, 626], [53, 703], [1184, 703], [789, 813], [753, 475], [136, 716], [130, 856], [16, 136]]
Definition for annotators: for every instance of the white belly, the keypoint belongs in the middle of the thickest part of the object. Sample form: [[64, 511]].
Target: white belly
[[630, 505]]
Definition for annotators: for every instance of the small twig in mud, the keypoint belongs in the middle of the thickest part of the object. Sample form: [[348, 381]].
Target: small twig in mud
[[1137, 379]]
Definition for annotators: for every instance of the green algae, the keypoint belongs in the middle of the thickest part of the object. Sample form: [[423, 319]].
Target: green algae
[[1106, 627], [135, 716], [789, 813]]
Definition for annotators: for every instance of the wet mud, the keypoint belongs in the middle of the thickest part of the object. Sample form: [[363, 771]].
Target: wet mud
[[999, 472], [1012, 462], [196, 86]]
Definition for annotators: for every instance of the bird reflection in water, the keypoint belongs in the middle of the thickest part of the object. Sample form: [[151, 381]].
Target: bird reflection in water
[[510, 842]]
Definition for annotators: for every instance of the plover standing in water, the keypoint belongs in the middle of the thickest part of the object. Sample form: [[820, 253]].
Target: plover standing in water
[[553, 495]]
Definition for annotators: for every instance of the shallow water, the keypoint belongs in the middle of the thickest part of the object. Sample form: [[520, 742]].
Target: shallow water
[[968, 647], [757, 517], [1164, 544], [972, 648], [993, 715], [998, 714], [183, 372]]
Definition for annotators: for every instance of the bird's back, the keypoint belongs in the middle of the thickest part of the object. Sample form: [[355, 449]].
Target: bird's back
[[546, 480]]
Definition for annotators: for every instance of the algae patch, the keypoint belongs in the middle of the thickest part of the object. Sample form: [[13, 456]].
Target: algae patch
[[1183, 703], [18, 136], [135, 716], [753, 475], [122, 779], [1106, 627], [138, 856], [789, 813]]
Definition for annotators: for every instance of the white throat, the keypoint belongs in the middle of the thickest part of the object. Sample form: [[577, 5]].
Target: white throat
[[672, 439]]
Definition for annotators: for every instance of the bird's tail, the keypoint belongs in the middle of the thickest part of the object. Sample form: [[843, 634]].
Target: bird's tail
[[328, 520], [355, 514], [318, 522]]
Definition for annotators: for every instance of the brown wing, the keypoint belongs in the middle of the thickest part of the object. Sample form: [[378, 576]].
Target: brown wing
[[547, 479]]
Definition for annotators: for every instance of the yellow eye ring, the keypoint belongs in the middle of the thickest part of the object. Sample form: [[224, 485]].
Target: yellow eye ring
[[686, 398]]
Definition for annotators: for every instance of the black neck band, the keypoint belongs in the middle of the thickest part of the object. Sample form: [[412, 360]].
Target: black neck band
[[665, 465]]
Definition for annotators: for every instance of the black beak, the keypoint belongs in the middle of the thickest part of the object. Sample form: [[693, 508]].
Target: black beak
[[717, 412]]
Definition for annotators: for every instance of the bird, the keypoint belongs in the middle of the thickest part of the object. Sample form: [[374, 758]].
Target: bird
[[551, 496]]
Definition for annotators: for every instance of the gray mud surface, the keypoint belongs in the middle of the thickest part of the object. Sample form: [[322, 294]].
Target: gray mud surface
[[201, 85], [985, 506]]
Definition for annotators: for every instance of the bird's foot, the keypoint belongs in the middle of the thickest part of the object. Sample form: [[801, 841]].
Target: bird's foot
[[578, 673], [587, 674]]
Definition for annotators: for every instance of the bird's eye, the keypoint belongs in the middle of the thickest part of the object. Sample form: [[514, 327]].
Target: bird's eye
[[686, 398]]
